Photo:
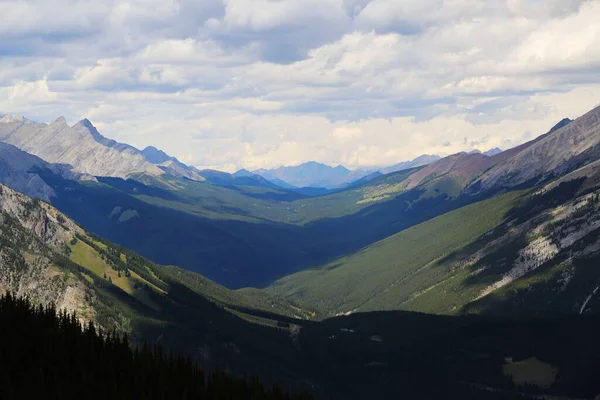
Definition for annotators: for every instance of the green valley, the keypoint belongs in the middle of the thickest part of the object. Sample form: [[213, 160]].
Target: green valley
[[396, 272]]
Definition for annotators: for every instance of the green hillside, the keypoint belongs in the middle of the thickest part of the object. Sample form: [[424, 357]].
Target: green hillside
[[48, 258], [195, 225], [394, 273], [255, 204], [521, 253]]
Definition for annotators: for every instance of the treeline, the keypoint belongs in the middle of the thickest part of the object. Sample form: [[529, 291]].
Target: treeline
[[48, 354]]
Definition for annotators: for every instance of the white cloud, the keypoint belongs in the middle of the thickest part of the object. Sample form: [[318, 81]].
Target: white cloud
[[258, 83]]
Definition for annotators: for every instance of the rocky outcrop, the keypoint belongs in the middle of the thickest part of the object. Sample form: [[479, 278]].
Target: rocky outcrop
[[32, 234]]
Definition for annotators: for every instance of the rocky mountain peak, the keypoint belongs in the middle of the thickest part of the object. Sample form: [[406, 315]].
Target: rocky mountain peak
[[80, 146], [86, 123], [10, 119], [563, 122], [60, 121]]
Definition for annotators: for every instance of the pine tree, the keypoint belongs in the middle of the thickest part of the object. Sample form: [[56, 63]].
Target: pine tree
[[66, 359]]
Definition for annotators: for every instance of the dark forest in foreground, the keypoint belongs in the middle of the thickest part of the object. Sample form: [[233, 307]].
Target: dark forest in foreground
[[48, 354]]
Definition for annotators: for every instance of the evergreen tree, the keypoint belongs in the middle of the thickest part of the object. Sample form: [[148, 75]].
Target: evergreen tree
[[50, 355]]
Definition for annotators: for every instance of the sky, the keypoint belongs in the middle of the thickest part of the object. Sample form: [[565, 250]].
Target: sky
[[232, 84]]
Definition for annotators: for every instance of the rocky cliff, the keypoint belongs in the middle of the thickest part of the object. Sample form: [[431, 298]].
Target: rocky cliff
[[32, 235]]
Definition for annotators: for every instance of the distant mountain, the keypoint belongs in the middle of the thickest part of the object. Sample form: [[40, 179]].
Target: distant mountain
[[313, 174], [417, 162], [88, 152], [243, 173], [80, 146], [492, 152], [226, 179], [365, 179], [317, 175], [171, 165], [156, 156]]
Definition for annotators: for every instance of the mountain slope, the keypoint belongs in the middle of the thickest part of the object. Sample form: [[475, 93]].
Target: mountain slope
[[566, 147], [30, 232], [394, 265], [48, 258], [20, 171], [45, 256], [66, 359], [519, 253], [80, 146], [170, 165]]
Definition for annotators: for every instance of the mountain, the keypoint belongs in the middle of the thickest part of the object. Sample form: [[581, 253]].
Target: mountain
[[365, 179], [313, 174], [525, 251], [21, 171], [242, 235], [49, 259], [239, 179], [561, 124], [520, 253], [88, 152], [565, 147], [417, 162], [156, 156], [305, 191], [492, 152], [507, 244], [174, 167], [80, 146], [170, 165], [317, 175]]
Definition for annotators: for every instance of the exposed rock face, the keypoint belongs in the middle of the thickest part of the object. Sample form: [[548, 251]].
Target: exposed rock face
[[30, 237], [567, 146], [80, 146], [20, 171], [566, 229]]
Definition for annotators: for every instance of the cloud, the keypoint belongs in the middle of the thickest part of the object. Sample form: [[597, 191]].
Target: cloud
[[260, 83]]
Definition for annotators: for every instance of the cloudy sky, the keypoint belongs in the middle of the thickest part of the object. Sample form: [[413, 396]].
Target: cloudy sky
[[262, 83]]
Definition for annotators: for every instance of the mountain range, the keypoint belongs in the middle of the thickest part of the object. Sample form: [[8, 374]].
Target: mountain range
[[80, 146], [88, 152], [317, 175], [498, 248], [313, 174], [48, 258]]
